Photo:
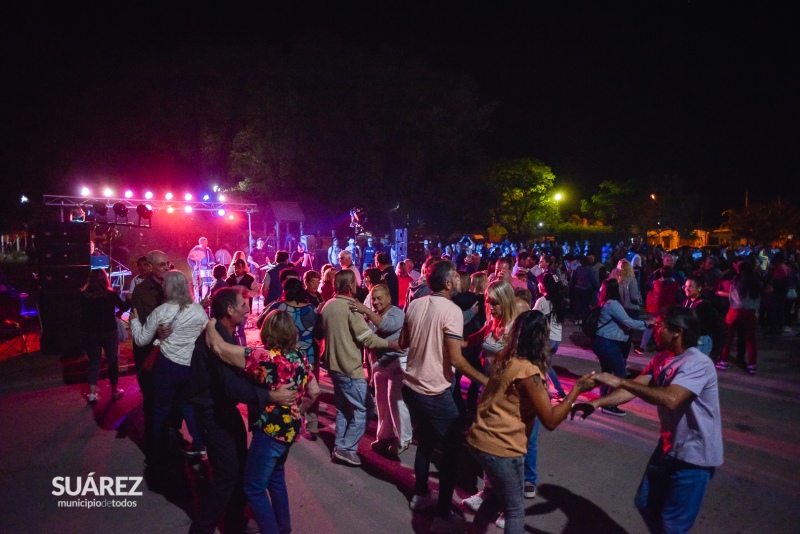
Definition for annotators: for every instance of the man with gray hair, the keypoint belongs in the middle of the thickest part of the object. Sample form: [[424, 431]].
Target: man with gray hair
[[346, 261], [346, 334]]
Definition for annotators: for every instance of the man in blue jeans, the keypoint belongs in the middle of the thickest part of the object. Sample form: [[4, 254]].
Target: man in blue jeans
[[682, 383], [346, 334], [432, 333]]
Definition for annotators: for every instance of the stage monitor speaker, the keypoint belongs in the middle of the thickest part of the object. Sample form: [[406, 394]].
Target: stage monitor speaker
[[54, 253]]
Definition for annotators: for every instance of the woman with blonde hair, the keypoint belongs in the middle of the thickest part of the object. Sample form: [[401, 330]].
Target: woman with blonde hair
[[628, 288], [501, 310], [239, 254]]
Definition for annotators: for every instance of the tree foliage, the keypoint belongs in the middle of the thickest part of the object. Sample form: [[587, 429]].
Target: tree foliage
[[523, 189], [763, 223]]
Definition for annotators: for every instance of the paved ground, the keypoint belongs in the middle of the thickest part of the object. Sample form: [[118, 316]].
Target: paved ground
[[588, 471]]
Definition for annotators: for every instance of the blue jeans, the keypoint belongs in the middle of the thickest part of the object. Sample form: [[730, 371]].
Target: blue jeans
[[350, 399], [704, 345], [506, 477], [435, 418], [671, 493], [531, 473], [170, 383], [609, 352], [550, 372], [264, 471]]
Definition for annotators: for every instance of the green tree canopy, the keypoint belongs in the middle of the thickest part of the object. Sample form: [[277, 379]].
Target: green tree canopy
[[524, 190]]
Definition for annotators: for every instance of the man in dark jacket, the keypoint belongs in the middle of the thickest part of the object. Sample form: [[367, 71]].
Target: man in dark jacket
[[389, 276], [216, 389]]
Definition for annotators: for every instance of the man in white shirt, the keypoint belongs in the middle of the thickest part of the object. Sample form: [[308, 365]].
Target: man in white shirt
[[346, 261]]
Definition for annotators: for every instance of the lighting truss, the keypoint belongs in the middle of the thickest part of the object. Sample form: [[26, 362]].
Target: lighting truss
[[156, 205]]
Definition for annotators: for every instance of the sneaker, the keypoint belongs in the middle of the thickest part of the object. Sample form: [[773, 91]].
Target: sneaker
[[91, 398], [722, 366], [613, 410], [638, 351], [444, 525], [751, 369], [474, 502], [118, 394], [501, 522], [421, 502], [397, 449], [347, 457], [530, 490]]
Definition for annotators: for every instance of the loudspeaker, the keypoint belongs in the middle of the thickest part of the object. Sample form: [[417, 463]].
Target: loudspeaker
[[61, 321], [58, 232], [63, 279], [64, 253]]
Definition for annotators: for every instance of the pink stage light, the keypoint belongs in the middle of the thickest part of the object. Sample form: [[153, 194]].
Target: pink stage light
[[85, 191], [170, 209], [168, 196], [188, 209], [230, 216], [148, 195], [188, 196], [128, 194], [107, 192], [221, 213], [221, 197]]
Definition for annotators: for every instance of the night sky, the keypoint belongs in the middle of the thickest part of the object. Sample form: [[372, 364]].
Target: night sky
[[637, 91]]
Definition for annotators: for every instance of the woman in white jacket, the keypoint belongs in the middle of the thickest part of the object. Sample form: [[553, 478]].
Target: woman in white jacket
[[172, 369]]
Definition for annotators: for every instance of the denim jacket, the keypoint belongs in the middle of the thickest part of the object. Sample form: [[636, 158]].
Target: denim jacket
[[612, 316]]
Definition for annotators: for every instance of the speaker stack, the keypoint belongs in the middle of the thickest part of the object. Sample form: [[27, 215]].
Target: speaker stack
[[63, 252]]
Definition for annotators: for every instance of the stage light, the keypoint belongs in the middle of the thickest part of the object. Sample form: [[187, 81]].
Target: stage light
[[205, 198], [107, 192], [215, 188], [144, 211], [188, 209], [168, 196], [100, 208], [230, 216], [85, 191], [221, 213], [23, 199], [221, 198], [187, 196], [148, 195], [170, 209], [120, 209], [128, 194]]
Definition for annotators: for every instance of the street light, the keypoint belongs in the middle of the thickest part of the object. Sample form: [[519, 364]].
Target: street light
[[557, 197]]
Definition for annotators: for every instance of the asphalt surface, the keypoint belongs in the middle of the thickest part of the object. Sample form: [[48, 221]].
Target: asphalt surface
[[588, 471]]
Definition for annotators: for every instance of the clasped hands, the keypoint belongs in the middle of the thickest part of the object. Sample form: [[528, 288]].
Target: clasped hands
[[586, 383]]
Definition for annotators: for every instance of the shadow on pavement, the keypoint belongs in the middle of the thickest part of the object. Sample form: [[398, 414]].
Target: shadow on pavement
[[582, 514]]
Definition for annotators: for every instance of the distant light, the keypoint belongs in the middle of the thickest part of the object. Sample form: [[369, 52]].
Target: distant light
[[558, 196], [23, 199], [205, 198], [230, 216], [221, 198], [149, 207], [541, 224], [221, 213], [85, 192], [215, 188], [653, 196], [188, 196], [107, 192], [128, 194], [148, 195], [168, 196], [188, 209], [170, 209]]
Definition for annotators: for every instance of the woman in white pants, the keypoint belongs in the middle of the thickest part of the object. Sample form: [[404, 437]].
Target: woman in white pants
[[394, 422]]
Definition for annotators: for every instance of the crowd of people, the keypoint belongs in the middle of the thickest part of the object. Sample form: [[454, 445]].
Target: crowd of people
[[401, 339]]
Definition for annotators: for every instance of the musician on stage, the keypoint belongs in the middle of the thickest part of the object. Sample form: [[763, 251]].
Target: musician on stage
[[258, 258], [201, 260]]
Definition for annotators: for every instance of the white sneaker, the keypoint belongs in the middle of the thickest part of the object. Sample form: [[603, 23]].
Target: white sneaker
[[474, 502], [421, 502], [451, 524], [501, 521]]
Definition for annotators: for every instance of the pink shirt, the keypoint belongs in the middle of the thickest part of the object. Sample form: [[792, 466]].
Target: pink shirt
[[430, 320]]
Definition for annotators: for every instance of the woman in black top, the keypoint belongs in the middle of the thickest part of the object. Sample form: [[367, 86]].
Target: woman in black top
[[99, 330]]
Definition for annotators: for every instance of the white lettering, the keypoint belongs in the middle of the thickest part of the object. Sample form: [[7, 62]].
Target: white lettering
[[59, 487], [106, 485], [89, 486], [121, 490], [70, 490], [136, 482]]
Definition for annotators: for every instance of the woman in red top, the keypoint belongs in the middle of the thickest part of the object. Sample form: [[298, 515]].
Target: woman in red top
[[403, 280]]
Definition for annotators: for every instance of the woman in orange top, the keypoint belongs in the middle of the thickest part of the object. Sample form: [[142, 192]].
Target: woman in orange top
[[514, 397]]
